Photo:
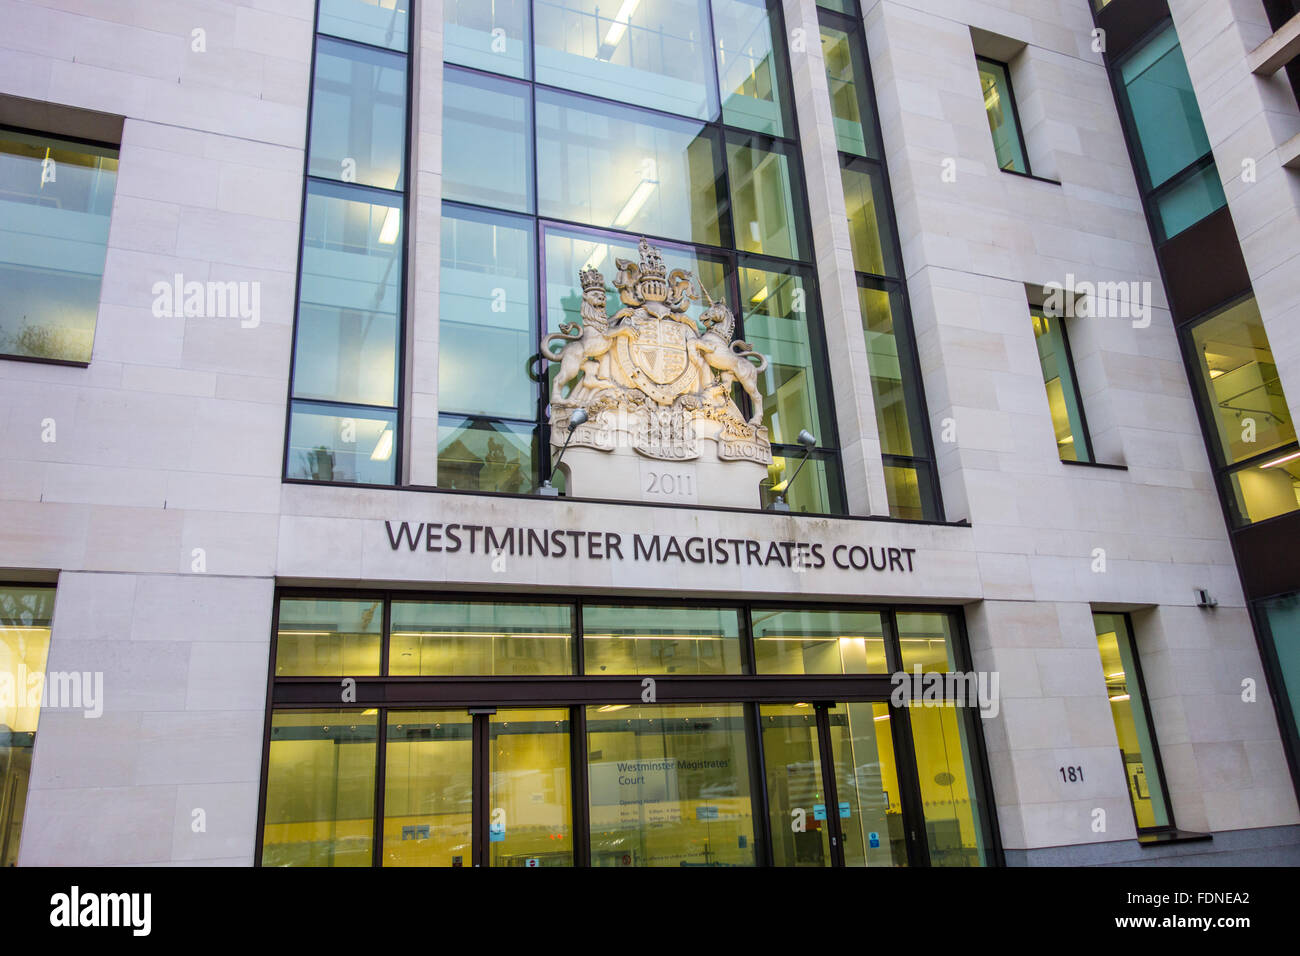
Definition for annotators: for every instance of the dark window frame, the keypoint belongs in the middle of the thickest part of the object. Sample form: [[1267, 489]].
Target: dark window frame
[[1074, 385], [1015, 117]]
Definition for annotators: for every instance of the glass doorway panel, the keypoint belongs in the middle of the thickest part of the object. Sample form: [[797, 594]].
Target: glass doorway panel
[[866, 785], [796, 792], [428, 788], [531, 819]]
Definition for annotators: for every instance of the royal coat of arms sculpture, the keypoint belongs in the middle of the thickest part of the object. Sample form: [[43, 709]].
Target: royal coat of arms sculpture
[[652, 379]]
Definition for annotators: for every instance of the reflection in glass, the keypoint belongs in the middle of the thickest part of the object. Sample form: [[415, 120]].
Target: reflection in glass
[[530, 819], [1132, 722], [55, 200], [780, 322], [487, 141], [442, 638], [996, 86], [487, 36], [762, 198], [816, 488], [1282, 615], [925, 638], [358, 115], [1188, 200], [847, 78], [377, 22], [818, 642], [660, 640], [869, 231], [342, 443], [796, 794], [751, 68], [669, 785], [486, 315], [622, 168], [893, 378], [651, 53], [1062, 390], [428, 788], [25, 615], [866, 785], [479, 454], [320, 789], [328, 637]]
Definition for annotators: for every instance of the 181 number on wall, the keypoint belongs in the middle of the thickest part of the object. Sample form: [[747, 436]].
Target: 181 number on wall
[[1071, 774]]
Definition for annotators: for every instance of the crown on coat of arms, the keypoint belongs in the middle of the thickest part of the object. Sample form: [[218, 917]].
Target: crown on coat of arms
[[591, 279], [652, 281]]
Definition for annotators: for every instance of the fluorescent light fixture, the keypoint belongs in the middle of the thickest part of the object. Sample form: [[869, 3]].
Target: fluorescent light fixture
[[1119, 697], [384, 447], [1215, 372], [392, 223], [596, 258], [759, 296], [619, 26], [610, 708], [1278, 461], [881, 717], [634, 202], [1067, 440], [1115, 676]]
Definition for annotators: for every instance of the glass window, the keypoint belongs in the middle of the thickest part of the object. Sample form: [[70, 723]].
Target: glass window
[[870, 233], [56, 197], [531, 814], [751, 67], [839, 6], [320, 789], [1062, 391], [1132, 721], [819, 642], [795, 785], [443, 638], [941, 738], [328, 637], [899, 416], [358, 115], [1266, 490], [428, 788], [487, 141], [909, 489], [627, 169], [925, 640], [780, 322], [816, 487], [487, 315], [669, 786], [652, 53], [377, 22], [346, 443], [1282, 616], [479, 454], [25, 615], [866, 785], [488, 36], [995, 81], [1188, 199], [763, 187], [660, 640], [846, 76]]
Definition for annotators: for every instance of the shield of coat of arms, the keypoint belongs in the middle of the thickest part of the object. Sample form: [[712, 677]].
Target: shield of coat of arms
[[659, 350]]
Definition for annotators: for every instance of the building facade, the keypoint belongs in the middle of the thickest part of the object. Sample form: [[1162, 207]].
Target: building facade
[[305, 558]]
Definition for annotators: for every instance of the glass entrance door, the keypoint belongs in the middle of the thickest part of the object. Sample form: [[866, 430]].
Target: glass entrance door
[[479, 787], [832, 785]]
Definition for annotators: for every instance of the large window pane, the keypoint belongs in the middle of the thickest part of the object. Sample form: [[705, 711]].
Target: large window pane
[[377, 22], [487, 340], [669, 786], [995, 83], [818, 642], [428, 788], [751, 67], [815, 489], [899, 416], [941, 738], [487, 141], [342, 443], [652, 53], [763, 190], [909, 488], [55, 201], [795, 785], [478, 454], [866, 785], [358, 115], [328, 637], [1282, 616], [1188, 201], [609, 166], [870, 234], [25, 615], [660, 640], [320, 789], [489, 36], [531, 814], [781, 322], [1132, 720], [1062, 391], [850, 95], [443, 638], [1266, 490], [925, 640], [346, 347]]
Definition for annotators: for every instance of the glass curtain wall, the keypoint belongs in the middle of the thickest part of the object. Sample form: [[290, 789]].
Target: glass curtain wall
[[572, 128], [345, 416], [907, 453]]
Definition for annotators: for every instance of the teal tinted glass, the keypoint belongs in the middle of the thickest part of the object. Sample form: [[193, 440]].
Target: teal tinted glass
[[377, 22], [846, 78], [342, 443], [56, 197], [486, 315], [490, 36], [1283, 617], [751, 67], [1166, 117], [996, 87], [358, 115], [1188, 201], [479, 454], [487, 141]]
